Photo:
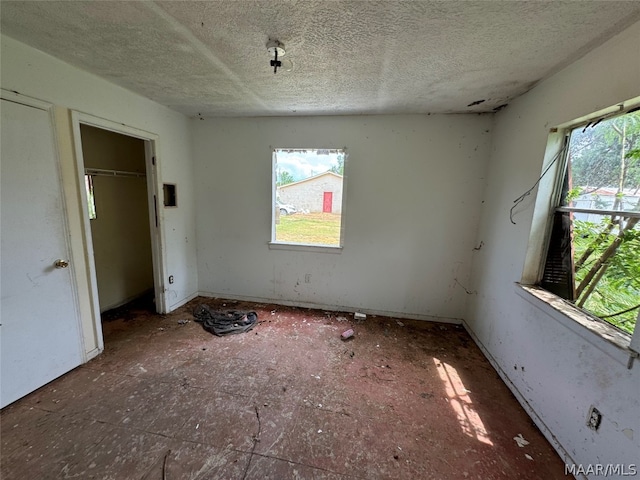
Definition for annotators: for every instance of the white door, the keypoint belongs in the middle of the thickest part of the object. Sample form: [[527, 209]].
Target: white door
[[40, 332]]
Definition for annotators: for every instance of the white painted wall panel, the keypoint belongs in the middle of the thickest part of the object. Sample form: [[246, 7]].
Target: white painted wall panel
[[413, 186], [558, 371]]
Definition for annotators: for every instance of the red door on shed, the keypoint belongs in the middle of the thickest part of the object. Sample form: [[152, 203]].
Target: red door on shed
[[327, 202]]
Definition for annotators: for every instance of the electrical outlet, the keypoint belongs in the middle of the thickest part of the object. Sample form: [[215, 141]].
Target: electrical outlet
[[170, 278], [307, 278], [594, 418]]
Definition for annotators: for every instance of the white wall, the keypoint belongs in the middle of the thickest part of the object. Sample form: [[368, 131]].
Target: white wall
[[557, 368], [413, 185], [33, 73]]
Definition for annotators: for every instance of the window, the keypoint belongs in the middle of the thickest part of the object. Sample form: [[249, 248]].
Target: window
[[91, 200], [593, 257], [308, 196]]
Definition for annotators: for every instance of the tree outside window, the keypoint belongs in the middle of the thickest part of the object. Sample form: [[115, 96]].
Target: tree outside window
[[594, 253]]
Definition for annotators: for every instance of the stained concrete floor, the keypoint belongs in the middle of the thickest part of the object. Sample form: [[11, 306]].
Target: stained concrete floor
[[167, 400]]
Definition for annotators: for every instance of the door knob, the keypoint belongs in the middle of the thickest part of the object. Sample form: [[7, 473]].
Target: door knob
[[61, 263]]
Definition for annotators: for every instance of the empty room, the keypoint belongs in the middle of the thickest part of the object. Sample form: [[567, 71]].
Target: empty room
[[323, 239]]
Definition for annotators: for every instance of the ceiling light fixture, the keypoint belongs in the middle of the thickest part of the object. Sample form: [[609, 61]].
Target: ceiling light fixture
[[275, 49]]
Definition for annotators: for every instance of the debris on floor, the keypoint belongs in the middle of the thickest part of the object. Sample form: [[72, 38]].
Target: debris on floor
[[347, 334], [224, 322], [520, 440], [247, 406], [360, 316]]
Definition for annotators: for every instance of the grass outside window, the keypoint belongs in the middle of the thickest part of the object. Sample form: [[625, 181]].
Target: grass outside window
[[310, 228]]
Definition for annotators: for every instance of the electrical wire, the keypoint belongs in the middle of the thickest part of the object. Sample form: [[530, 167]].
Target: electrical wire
[[521, 198], [559, 155]]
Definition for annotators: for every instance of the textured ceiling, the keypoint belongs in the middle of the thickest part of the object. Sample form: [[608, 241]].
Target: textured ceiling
[[349, 57]]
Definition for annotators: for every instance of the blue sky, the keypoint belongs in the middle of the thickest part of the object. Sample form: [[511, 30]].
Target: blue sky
[[303, 164]]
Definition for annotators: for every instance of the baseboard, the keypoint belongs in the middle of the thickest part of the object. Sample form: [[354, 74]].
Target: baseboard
[[182, 302], [564, 455], [92, 354], [334, 308]]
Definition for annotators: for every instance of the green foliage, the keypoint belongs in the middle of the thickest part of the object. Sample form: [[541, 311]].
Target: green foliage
[[339, 168], [619, 288], [633, 155], [596, 153], [310, 229], [607, 155], [284, 178], [573, 194]]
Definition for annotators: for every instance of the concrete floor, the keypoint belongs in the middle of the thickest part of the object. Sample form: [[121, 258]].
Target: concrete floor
[[401, 400]]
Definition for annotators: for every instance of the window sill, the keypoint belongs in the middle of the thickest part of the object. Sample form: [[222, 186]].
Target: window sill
[[302, 247], [594, 330]]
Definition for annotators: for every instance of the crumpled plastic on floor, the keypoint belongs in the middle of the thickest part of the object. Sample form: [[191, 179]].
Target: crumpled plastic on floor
[[224, 322]]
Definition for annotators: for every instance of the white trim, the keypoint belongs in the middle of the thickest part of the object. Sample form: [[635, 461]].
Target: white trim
[[343, 207], [541, 221], [303, 247], [93, 354], [104, 124], [16, 97], [333, 308], [274, 194], [86, 233], [274, 244], [564, 455], [156, 215], [595, 211], [183, 302], [612, 111], [65, 213]]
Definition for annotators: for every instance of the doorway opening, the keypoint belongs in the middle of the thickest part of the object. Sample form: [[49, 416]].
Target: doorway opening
[[122, 224]]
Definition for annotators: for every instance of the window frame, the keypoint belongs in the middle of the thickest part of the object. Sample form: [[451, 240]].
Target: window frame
[[307, 247], [547, 203]]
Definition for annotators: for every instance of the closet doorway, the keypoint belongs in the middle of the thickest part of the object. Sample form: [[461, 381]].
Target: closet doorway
[[122, 216]]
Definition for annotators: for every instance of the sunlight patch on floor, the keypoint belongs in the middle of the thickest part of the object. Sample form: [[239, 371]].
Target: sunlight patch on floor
[[460, 401]]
